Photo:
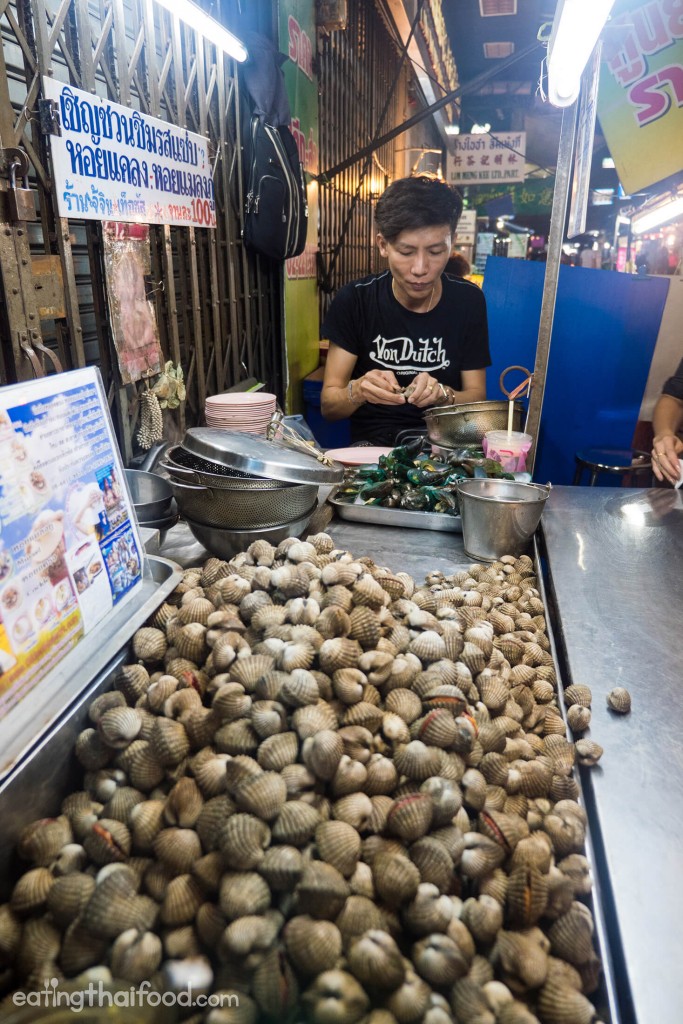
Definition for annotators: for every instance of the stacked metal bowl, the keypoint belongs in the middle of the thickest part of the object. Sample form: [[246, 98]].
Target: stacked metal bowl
[[462, 426], [233, 487]]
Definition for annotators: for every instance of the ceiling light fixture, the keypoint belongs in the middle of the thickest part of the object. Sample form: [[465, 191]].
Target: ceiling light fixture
[[208, 27], [452, 129], [481, 129], [662, 214], [576, 28]]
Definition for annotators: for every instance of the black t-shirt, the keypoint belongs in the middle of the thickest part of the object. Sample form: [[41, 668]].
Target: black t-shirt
[[367, 320], [674, 385]]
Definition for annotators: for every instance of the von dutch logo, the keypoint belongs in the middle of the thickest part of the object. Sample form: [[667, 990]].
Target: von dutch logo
[[406, 355]]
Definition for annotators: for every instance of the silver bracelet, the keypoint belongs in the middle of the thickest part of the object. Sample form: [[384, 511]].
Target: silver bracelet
[[355, 401]]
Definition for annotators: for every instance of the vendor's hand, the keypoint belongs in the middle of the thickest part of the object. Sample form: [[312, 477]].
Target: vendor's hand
[[379, 387], [423, 391], [666, 449]]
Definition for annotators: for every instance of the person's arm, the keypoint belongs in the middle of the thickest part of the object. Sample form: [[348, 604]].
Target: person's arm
[[667, 419], [426, 391], [341, 394]]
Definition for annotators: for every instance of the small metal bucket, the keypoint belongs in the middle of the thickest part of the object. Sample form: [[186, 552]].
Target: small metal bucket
[[499, 517]]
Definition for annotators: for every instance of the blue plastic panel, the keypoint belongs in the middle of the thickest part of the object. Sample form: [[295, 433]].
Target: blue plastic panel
[[604, 335]]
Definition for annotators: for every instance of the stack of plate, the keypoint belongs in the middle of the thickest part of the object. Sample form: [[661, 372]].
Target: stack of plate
[[248, 412]]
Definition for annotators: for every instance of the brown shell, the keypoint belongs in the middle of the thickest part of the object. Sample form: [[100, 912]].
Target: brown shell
[[322, 753], [395, 878], [358, 915], [417, 761], [322, 890], [356, 810], [411, 816], [364, 627], [299, 688], [376, 961], [313, 718], [439, 960], [526, 896], [263, 795], [169, 742], [404, 703], [336, 996], [282, 867], [242, 841], [578, 693], [181, 901], [68, 896], [559, 1003], [295, 823], [32, 890], [135, 956], [619, 700], [149, 644], [339, 845], [236, 738], [178, 848], [243, 893], [578, 717], [41, 841], [108, 841], [275, 752], [312, 946], [571, 935]]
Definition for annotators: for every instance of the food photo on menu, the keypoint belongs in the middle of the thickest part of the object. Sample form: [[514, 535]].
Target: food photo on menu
[[122, 560]]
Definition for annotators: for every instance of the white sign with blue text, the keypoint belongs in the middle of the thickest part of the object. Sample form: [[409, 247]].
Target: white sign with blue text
[[113, 163]]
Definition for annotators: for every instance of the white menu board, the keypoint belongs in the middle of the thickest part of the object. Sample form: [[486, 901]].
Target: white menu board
[[69, 544]]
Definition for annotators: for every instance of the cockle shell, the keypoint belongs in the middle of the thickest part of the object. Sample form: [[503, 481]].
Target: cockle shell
[[184, 803], [181, 901], [149, 644], [295, 823], [411, 1000], [381, 776], [404, 703], [433, 861], [108, 841], [480, 856], [68, 896], [209, 773], [313, 718], [322, 753], [356, 810], [588, 752], [429, 911], [395, 878], [437, 728], [333, 621], [411, 816], [242, 841], [236, 738], [277, 751], [212, 819], [578, 693], [526, 897], [578, 717], [335, 997], [91, 750], [364, 627], [136, 955], [505, 829], [339, 845], [299, 688], [358, 915], [169, 742], [231, 702], [243, 893], [375, 960], [439, 960], [32, 890], [312, 946], [39, 946], [41, 841], [522, 958], [571, 935], [338, 652], [263, 795], [178, 848], [322, 890], [252, 934], [619, 700], [417, 761], [348, 684], [282, 867]]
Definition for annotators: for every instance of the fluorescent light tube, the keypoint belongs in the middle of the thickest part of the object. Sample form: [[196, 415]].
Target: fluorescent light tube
[[207, 26], [660, 215], [576, 29]]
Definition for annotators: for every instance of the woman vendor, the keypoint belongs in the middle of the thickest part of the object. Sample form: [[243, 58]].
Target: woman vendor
[[413, 336]]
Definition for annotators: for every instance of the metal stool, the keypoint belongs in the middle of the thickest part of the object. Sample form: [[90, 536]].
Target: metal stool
[[611, 460]]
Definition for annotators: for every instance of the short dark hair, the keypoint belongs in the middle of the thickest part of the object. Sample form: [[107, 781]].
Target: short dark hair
[[417, 202]]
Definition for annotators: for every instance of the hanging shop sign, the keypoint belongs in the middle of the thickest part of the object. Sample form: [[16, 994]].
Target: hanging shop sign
[[487, 158], [535, 196], [640, 103], [69, 545], [113, 163], [466, 231]]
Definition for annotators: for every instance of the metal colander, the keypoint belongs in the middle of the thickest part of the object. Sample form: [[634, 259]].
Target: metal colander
[[193, 469], [230, 508], [460, 425]]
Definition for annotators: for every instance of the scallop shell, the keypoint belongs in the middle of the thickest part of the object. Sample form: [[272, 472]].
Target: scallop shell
[[339, 845], [275, 752], [578, 693], [295, 823], [312, 946], [41, 841], [335, 996], [417, 761], [619, 700], [411, 816], [178, 848], [339, 652], [181, 901], [135, 955], [263, 795], [243, 893], [184, 804], [282, 867], [149, 644], [68, 897]]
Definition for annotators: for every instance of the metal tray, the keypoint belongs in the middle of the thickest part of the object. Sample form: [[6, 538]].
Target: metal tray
[[378, 516]]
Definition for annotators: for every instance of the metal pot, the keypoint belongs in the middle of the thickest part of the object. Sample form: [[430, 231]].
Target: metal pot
[[457, 426], [229, 508], [227, 543], [151, 494], [499, 517]]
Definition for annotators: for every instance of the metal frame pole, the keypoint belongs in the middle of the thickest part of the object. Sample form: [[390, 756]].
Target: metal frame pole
[[558, 214]]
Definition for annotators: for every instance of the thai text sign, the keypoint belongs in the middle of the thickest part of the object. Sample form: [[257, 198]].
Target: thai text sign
[[640, 102], [114, 163], [487, 158]]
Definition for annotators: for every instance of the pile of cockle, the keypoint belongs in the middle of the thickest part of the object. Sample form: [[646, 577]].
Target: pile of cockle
[[408, 478], [341, 796]]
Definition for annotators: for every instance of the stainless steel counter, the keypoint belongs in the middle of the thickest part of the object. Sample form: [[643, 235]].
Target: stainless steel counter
[[615, 563]]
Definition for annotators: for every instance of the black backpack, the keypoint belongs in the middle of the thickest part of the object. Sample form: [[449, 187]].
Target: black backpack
[[275, 208]]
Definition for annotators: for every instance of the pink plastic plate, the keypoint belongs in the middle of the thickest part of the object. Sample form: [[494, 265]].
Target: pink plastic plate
[[357, 456]]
